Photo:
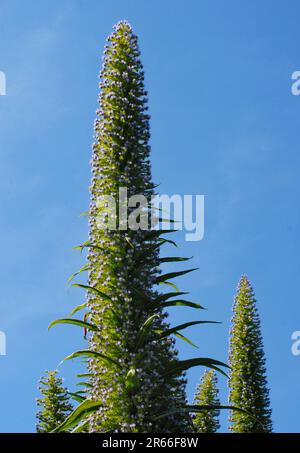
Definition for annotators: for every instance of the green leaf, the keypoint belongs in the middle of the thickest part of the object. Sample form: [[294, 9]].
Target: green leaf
[[75, 322], [83, 375], [78, 308], [144, 330], [82, 411], [173, 259], [160, 219], [90, 354], [85, 214], [164, 277], [82, 246], [166, 296], [182, 365], [81, 427], [154, 234], [179, 303], [84, 268], [167, 241], [184, 326], [94, 290], [131, 378], [84, 384], [182, 337], [76, 396], [88, 244], [170, 284], [129, 242]]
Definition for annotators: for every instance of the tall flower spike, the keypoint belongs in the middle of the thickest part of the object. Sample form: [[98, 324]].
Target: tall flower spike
[[130, 382], [248, 382]]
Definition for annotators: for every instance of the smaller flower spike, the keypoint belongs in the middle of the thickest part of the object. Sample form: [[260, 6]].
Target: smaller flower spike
[[248, 382]]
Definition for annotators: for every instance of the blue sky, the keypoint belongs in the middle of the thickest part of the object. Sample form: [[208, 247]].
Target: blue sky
[[224, 124]]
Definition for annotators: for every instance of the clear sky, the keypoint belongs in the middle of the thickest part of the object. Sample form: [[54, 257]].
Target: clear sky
[[224, 124]]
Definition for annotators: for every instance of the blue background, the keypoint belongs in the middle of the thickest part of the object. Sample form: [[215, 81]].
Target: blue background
[[224, 124]]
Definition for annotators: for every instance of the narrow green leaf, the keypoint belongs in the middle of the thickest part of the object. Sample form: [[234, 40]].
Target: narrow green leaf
[[178, 303], [183, 365], [129, 242], [84, 268], [82, 411], [93, 354], [88, 244], [170, 284], [85, 214], [184, 326], [167, 241], [75, 322], [83, 375], [84, 384], [94, 290], [173, 259], [81, 427], [182, 337], [78, 308], [144, 330], [164, 277], [76, 397], [160, 219], [166, 296]]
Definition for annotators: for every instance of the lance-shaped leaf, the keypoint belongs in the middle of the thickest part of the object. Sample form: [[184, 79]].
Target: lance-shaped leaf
[[154, 234], [83, 375], [178, 303], [144, 330], [184, 326], [88, 244], [145, 254], [182, 337], [78, 308], [81, 427], [163, 241], [170, 284], [165, 277], [81, 412], [84, 214], [75, 322], [131, 379], [94, 290], [182, 365], [161, 219], [86, 353], [84, 384], [76, 396], [84, 268], [173, 259], [129, 242], [166, 296]]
